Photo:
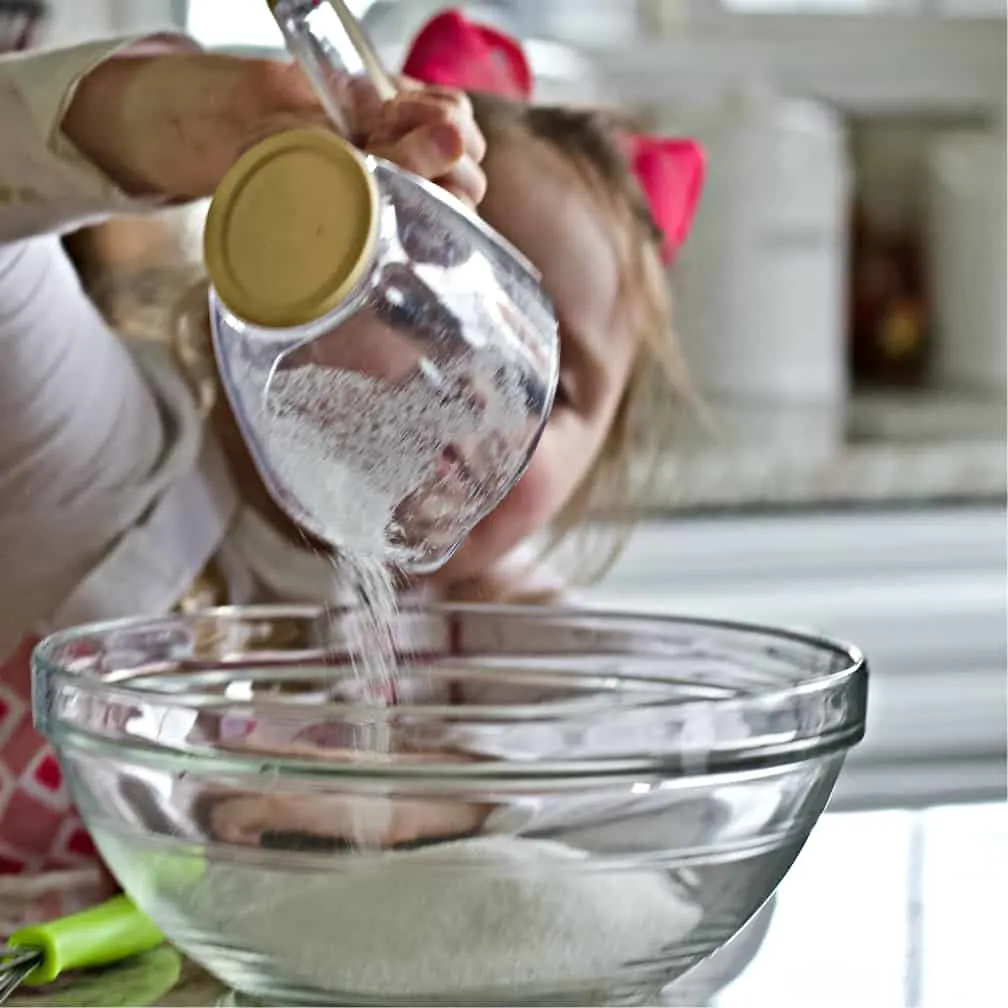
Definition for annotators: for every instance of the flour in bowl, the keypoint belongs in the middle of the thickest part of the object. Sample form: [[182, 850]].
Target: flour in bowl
[[452, 918]]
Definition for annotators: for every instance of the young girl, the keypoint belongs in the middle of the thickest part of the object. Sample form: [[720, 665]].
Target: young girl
[[596, 209]]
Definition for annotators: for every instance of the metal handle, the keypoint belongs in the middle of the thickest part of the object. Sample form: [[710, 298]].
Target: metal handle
[[329, 42], [365, 50]]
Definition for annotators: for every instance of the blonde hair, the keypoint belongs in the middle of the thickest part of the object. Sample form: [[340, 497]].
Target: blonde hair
[[646, 418]]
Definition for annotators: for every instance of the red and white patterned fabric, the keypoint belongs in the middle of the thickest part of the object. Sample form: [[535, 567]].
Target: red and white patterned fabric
[[40, 832]]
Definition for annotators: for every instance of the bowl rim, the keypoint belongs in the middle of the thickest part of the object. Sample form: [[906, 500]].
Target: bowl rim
[[748, 755]]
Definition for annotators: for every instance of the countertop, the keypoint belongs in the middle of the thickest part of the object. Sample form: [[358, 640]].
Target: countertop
[[882, 909], [882, 449], [889, 909]]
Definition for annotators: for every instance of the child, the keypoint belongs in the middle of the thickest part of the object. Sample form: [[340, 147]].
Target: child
[[563, 188]]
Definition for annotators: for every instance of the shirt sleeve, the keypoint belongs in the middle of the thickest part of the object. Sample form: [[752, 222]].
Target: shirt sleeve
[[46, 185], [112, 498]]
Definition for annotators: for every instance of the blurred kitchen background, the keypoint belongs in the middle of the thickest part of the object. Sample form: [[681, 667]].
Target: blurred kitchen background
[[842, 305]]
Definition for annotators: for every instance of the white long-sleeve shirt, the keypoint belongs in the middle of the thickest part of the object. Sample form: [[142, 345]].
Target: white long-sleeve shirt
[[111, 500], [112, 497]]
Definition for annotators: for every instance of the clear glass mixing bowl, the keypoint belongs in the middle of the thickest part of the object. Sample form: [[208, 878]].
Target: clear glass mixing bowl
[[556, 807]]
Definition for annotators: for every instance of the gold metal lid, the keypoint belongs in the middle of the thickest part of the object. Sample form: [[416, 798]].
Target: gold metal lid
[[292, 228]]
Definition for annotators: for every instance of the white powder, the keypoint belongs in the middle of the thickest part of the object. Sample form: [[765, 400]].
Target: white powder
[[372, 648], [490, 912], [352, 449]]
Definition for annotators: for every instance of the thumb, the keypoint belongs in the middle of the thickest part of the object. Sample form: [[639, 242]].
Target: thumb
[[430, 151]]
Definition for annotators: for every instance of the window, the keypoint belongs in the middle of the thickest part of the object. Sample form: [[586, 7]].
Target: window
[[232, 23], [240, 23]]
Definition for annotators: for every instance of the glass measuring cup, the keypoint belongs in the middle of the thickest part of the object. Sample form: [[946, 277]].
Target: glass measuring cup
[[390, 359]]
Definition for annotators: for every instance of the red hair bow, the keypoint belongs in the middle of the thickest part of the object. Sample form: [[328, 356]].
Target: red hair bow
[[453, 51]]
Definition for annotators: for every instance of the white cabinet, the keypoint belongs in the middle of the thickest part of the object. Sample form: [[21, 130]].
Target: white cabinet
[[80, 20], [970, 8], [76, 22], [148, 15], [922, 592]]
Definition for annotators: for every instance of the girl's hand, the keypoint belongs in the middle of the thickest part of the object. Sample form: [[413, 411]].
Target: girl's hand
[[170, 125], [420, 127]]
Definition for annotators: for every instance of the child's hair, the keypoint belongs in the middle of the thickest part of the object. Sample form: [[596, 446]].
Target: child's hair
[[628, 462]]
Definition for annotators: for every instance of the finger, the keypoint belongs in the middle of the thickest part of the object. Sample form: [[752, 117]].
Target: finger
[[466, 181], [364, 108], [430, 151], [474, 142], [367, 110], [457, 108], [412, 110], [446, 94], [405, 83]]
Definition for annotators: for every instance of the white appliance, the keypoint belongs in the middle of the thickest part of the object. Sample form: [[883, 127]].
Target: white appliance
[[968, 259], [921, 590], [760, 291]]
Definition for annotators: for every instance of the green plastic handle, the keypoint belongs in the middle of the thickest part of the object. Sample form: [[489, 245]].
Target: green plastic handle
[[100, 936]]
